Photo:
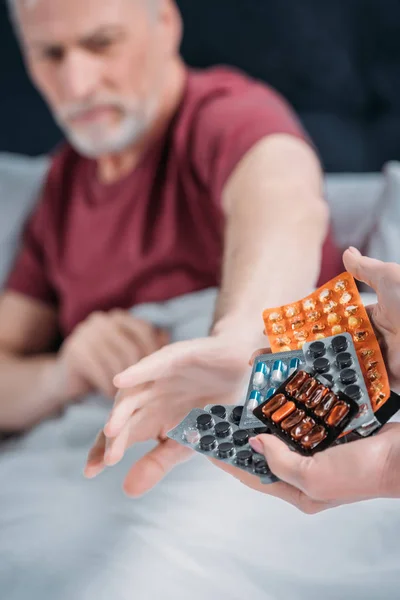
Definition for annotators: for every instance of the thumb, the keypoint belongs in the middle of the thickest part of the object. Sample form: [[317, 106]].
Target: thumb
[[284, 463], [365, 269]]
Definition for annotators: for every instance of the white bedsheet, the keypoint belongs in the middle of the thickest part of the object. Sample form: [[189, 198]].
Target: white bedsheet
[[198, 535]]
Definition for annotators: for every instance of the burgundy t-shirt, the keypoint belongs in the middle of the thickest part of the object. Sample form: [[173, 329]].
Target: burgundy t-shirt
[[158, 232]]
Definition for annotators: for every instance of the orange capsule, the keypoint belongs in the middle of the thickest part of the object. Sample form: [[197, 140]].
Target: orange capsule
[[273, 405], [337, 414], [314, 438], [283, 412]]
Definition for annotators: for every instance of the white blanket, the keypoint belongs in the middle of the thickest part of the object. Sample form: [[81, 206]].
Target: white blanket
[[198, 535]]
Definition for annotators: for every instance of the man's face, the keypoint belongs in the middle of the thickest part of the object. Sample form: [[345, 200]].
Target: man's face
[[100, 64]]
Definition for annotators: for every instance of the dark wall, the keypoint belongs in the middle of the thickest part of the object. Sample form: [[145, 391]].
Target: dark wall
[[337, 62]]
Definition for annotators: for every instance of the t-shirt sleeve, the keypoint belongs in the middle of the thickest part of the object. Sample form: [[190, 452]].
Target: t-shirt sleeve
[[30, 274], [231, 123]]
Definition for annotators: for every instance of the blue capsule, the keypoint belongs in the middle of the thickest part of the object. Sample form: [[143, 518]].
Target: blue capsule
[[278, 372], [270, 393], [255, 399], [293, 366], [260, 375]]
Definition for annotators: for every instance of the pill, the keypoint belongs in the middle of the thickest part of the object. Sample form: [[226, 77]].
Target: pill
[[293, 366], [319, 336], [314, 438], [334, 319], [283, 412], [307, 389], [223, 429], [293, 420], [278, 328], [236, 414], [275, 316], [260, 375], [378, 398], [374, 375], [344, 360], [345, 299], [321, 365], [354, 322], [255, 398], [297, 382], [205, 422], [270, 393], [330, 306], [244, 458], [336, 329], [339, 344], [273, 405], [309, 304], [313, 316], [367, 352], [326, 379], [191, 435], [298, 323], [340, 285], [325, 295], [302, 428], [360, 336], [226, 450], [371, 364], [240, 437], [348, 376], [377, 386], [251, 406], [337, 414], [208, 443], [283, 342], [351, 310], [317, 349], [328, 402], [291, 311], [354, 392], [301, 336], [218, 411], [278, 372], [318, 328], [261, 467], [317, 396]]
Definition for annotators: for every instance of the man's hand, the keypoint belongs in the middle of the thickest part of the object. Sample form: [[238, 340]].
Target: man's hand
[[156, 394], [384, 279], [361, 470], [101, 347]]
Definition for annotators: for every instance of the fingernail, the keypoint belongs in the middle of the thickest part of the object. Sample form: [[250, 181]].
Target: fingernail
[[257, 445], [354, 251]]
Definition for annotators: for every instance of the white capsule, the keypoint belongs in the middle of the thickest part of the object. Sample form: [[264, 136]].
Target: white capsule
[[251, 405], [191, 435]]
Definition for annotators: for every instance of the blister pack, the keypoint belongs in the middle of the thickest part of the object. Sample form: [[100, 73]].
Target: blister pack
[[269, 372], [221, 438]]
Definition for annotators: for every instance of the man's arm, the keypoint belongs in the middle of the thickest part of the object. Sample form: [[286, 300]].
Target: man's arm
[[28, 330], [276, 224]]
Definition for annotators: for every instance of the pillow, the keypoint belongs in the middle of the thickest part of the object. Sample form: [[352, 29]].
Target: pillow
[[384, 239], [21, 179]]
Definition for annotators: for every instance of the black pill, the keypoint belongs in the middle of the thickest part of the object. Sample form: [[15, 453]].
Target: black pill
[[219, 411], [237, 414], [244, 458], [240, 437], [317, 349], [261, 467], [226, 450], [326, 379], [223, 429], [344, 360], [321, 365], [348, 376], [204, 422], [208, 443], [353, 391], [339, 344]]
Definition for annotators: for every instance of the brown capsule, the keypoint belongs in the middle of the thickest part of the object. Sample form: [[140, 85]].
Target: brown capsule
[[337, 414], [317, 396], [302, 428], [307, 389], [328, 402], [313, 316], [314, 438], [360, 336], [283, 412], [273, 405], [293, 420], [297, 382]]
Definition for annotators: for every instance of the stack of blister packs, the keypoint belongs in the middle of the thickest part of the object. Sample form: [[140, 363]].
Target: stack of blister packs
[[324, 379]]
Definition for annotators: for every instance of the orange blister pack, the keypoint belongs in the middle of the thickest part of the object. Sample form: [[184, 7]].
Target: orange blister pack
[[334, 308]]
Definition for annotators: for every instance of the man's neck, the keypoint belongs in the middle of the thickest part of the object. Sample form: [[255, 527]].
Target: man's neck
[[112, 167]]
